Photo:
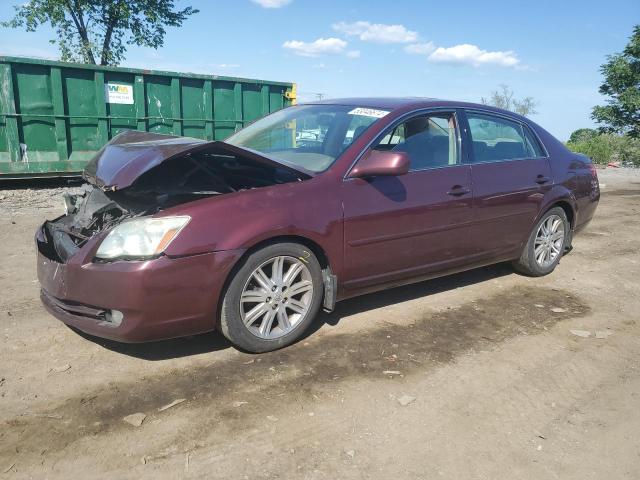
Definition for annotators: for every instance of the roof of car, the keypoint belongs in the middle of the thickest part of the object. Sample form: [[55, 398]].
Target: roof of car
[[393, 103], [378, 102]]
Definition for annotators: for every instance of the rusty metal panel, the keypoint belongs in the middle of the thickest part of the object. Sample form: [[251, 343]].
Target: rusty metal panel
[[55, 116]]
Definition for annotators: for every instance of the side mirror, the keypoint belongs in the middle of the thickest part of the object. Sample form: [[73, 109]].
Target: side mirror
[[376, 163]]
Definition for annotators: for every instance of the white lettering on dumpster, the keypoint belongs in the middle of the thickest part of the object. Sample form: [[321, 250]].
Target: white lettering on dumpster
[[118, 93]]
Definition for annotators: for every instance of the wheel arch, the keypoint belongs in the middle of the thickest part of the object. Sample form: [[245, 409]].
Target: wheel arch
[[315, 248], [563, 198], [312, 245], [568, 210]]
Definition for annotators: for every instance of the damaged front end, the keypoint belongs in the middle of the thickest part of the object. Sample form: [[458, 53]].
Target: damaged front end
[[87, 214], [139, 174]]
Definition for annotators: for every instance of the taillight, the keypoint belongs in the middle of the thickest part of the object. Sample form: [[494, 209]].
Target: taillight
[[595, 184]]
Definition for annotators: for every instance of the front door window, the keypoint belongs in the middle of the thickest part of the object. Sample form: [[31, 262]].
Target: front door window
[[429, 140]]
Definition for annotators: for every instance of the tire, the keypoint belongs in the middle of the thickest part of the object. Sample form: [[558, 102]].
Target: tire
[[540, 243], [263, 310]]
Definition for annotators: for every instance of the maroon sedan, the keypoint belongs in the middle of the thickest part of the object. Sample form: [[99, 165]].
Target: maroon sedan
[[316, 203]]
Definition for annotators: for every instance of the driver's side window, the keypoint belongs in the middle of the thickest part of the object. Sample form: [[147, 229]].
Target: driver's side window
[[431, 141]]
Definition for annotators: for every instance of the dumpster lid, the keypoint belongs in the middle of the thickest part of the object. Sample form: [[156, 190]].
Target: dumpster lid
[[132, 153]]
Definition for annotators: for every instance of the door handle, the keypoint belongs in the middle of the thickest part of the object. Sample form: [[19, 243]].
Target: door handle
[[458, 190], [540, 179]]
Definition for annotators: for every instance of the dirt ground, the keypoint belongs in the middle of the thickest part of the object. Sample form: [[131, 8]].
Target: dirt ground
[[482, 375]]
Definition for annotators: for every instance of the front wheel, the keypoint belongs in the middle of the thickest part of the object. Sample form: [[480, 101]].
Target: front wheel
[[546, 244], [272, 298]]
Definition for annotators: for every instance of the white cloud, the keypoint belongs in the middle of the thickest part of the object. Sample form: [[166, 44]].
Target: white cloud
[[226, 65], [322, 46], [466, 54], [153, 53], [353, 54], [376, 32], [420, 48], [272, 3], [319, 66]]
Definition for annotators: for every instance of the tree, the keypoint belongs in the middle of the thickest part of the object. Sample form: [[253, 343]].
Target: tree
[[92, 29], [583, 135], [505, 99], [606, 147], [622, 86]]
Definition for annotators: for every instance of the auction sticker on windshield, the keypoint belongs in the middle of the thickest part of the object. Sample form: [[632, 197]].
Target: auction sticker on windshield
[[368, 112]]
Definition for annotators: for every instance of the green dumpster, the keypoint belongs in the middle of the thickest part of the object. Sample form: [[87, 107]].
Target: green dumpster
[[54, 116]]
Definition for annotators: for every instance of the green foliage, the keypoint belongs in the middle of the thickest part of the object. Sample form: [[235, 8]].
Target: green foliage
[[583, 135], [505, 99], [622, 86], [606, 147], [88, 28]]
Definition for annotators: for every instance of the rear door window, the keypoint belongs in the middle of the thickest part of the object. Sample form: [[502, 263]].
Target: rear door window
[[497, 139], [534, 143]]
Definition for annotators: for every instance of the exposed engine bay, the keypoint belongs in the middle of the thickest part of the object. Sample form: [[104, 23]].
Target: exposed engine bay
[[175, 181]]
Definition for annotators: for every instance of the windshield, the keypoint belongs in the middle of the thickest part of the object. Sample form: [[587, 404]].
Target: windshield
[[307, 136]]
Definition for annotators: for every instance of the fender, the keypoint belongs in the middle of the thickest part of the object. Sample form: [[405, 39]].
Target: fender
[[242, 220], [559, 194]]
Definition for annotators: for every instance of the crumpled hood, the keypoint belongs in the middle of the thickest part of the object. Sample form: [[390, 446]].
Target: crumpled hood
[[132, 153]]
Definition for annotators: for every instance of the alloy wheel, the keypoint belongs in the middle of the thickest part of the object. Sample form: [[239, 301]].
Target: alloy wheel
[[276, 297], [549, 241]]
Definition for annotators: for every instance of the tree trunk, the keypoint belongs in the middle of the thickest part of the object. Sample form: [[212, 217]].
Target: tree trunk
[[106, 44], [76, 15]]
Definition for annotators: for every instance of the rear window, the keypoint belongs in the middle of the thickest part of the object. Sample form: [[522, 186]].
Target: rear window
[[497, 139]]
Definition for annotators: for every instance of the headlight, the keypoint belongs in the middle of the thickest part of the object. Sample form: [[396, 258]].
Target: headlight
[[143, 237]]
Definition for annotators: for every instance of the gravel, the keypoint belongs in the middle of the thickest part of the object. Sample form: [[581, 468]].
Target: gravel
[[34, 197]]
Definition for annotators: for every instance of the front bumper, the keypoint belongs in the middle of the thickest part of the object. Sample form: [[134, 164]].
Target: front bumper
[[159, 299]]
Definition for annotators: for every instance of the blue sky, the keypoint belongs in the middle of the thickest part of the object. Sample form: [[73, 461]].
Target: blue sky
[[550, 50]]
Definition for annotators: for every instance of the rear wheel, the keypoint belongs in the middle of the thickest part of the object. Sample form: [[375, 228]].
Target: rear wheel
[[272, 298], [546, 244]]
